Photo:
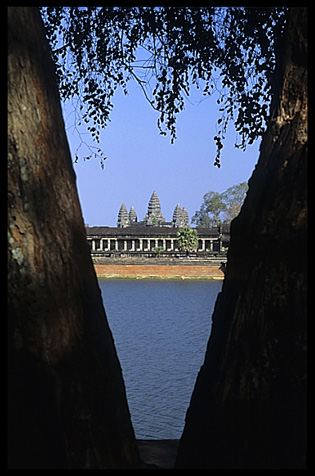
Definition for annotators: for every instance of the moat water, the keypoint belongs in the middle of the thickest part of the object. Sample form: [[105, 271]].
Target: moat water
[[161, 330]]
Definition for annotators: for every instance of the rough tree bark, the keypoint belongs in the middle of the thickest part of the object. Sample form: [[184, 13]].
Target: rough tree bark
[[67, 402], [248, 408]]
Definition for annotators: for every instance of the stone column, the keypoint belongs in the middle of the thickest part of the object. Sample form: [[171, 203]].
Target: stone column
[[125, 245], [140, 244], [116, 244], [93, 245], [211, 245]]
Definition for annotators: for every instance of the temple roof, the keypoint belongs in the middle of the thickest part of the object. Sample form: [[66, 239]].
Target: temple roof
[[148, 231]]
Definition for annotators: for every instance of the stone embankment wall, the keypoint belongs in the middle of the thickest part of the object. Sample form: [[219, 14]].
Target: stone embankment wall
[[159, 269]]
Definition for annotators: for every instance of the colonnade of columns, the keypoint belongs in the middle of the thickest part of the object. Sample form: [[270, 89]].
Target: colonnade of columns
[[206, 244], [147, 244]]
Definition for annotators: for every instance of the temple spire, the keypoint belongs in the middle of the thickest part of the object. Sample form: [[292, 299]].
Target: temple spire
[[123, 218], [177, 217], [180, 217], [132, 215], [154, 215], [185, 217]]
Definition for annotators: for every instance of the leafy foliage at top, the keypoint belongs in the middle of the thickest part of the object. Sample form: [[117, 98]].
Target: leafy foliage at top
[[167, 50]]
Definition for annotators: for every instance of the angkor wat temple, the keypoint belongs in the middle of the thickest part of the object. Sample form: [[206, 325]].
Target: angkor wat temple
[[153, 216], [133, 238]]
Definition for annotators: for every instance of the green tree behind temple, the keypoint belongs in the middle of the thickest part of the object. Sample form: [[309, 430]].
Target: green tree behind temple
[[220, 207], [210, 211], [234, 198]]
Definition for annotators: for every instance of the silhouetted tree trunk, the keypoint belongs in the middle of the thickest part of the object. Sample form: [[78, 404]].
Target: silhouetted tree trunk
[[248, 408], [67, 403]]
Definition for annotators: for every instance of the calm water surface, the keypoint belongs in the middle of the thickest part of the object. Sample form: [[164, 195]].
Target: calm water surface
[[161, 330]]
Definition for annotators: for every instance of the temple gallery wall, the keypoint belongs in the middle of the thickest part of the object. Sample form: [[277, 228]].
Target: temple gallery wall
[[140, 238]]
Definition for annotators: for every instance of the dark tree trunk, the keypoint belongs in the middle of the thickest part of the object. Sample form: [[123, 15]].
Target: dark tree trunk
[[248, 408], [67, 402]]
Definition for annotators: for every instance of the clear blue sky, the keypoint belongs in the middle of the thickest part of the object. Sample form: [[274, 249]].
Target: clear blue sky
[[140, 160]]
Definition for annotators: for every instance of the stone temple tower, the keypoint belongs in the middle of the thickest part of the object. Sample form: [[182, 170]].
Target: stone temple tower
[[154, 215], [123, 217], [185, 217], [177, 217], [180, 217], [132, 215]]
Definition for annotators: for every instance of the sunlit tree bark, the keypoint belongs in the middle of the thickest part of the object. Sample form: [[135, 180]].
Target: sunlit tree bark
[[248, 406], [67, 403]]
